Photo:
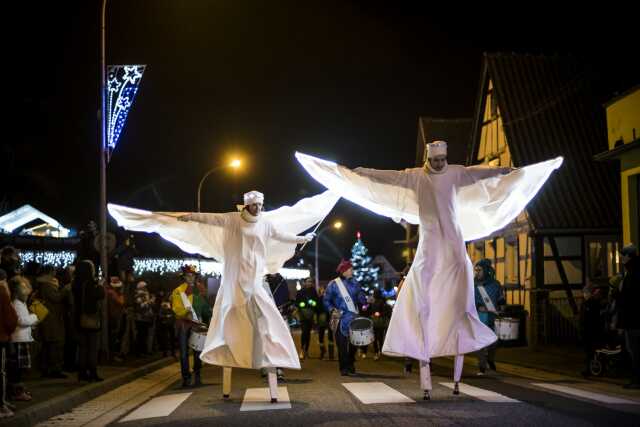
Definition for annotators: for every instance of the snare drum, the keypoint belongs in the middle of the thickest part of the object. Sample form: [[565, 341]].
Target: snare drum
[[507, 328], [197, 339], [361, 331]]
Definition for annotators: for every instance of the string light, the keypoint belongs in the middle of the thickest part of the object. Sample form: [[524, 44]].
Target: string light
[[58, 259], [122, 86]]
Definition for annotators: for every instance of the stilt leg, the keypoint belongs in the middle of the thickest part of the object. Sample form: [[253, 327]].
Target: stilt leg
[[273, 385], [457, 372], [425, 379], [226, 382]]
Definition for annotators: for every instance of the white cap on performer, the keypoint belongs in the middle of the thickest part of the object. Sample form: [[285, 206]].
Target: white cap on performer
[[436, 148], [253, 197]]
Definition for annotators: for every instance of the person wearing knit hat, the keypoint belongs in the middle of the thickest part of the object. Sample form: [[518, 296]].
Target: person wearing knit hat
[[246, 330], [343, 298]]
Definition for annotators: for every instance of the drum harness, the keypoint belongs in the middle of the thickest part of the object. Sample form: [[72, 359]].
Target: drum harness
[[487, 300]]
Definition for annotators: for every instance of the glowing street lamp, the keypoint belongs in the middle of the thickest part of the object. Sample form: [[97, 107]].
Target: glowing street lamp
[[234, 164]]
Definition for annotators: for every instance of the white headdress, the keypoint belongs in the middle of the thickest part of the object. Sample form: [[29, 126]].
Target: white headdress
[[436, 148], [253, 197]]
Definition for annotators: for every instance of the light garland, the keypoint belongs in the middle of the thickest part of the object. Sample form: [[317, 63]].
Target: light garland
[[206, 267], [58, 259], [62, 259], [122, 86]]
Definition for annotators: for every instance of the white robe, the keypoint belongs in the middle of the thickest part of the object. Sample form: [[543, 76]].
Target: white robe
[[246, 330], [435, 314]]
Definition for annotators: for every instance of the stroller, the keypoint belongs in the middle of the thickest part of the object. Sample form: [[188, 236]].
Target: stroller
[[606, 360]]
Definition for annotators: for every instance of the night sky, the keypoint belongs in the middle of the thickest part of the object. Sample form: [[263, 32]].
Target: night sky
[[343, 80]]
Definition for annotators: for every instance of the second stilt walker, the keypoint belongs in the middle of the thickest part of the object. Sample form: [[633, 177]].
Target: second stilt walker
[[246, 330], [435, 314]]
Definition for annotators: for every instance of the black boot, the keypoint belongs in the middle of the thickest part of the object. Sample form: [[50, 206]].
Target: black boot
[[198, 381], [331, 352], [93, 377], [322, 351], [186, 382]]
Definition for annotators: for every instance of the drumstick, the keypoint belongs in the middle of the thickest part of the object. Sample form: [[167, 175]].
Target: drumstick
[[314, 230]]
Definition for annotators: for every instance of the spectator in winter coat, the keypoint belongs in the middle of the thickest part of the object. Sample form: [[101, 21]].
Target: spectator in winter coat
[[52, 327], [8, 324]]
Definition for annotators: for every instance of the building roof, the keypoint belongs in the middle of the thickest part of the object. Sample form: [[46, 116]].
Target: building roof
[[548, 110], [26, 214]]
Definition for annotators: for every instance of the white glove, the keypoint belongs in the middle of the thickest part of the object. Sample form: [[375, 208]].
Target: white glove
[[184, 218], [309, 237]]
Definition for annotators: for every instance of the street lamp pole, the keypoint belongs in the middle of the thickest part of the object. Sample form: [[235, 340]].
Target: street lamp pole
[[103, 165], [337, 225], [235, 164], [202, 181]]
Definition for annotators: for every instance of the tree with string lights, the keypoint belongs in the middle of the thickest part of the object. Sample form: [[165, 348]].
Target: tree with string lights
[[364, 272]]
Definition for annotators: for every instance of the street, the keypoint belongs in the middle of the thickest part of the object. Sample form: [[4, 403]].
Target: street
[[320, 396]]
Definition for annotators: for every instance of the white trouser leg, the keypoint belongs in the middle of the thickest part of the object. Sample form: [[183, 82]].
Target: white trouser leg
[[457, 367], [273, 385], [226, 382], [425, 375]]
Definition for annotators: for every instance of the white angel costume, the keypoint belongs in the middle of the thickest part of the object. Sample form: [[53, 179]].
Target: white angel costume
[[435, 313], [246, 330]]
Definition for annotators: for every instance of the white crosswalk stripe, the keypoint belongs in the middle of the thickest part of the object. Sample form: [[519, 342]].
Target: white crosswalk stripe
[[376, 392], [598, 397], [482, 394], [259, 399], [157, 407]]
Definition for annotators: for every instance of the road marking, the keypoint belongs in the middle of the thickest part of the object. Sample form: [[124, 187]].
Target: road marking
[[259, 399], [110, 406], [157, 407], [482, 394], [377, 392], [598, 397]]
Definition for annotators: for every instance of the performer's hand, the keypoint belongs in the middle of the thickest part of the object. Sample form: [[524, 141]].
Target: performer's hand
[[184, 218], [506, 171], [309, 237]]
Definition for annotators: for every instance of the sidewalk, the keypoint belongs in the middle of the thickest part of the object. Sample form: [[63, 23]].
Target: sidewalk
[[55, 396], [564, 360]]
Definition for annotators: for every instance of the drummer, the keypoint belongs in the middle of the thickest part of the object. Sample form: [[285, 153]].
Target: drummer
[[490, 300], [186, 321], [342, 299]]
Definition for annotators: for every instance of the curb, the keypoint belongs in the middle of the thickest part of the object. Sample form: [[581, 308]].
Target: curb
[[67, 401]]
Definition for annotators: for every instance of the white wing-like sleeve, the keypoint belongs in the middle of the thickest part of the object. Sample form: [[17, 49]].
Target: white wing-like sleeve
[[490, 204], [294, 220], [486, 202], [206, 238], [387, 193]]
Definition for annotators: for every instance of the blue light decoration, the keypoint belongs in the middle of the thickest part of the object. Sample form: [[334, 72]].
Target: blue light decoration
[[122, 86]]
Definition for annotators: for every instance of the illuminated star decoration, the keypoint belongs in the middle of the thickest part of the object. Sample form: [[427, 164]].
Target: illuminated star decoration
[[122, 85]]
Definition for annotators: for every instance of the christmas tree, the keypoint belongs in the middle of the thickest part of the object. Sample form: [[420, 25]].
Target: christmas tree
[[365, 273]]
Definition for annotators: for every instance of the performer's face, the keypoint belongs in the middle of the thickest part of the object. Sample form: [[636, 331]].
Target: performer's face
[[479, 273], [190, 278], [348, 274], [254, 208], [438, 162]]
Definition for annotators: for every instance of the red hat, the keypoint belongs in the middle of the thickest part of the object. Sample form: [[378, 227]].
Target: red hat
[[186, 269], [344, 265]]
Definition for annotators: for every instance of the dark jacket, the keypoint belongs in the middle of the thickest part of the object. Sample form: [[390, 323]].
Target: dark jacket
[[308, 303], [52, 327], [8, 316], [629, 297], [90, 304]]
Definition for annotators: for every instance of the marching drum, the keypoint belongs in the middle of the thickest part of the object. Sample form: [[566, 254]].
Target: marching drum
[[198, 338], [507, 328], [361, 331]]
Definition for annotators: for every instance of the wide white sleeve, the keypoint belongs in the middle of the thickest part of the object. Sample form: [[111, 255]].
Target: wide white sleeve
[[289, 221], [472, 174], [285, 237], [489, 204], [207, 218], [207, 239], [385, 192]]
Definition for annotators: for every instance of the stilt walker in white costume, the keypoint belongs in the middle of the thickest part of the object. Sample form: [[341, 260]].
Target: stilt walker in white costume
[[246, 330], [435, 314]]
